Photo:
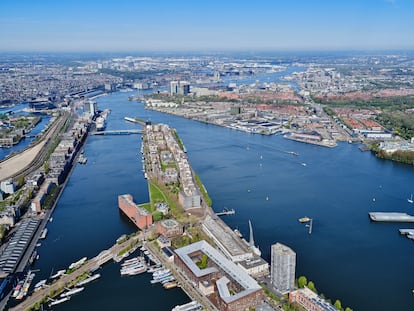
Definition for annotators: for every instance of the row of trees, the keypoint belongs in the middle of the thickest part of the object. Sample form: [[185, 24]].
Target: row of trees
[[400, 122], [395, 103], [399, 156]]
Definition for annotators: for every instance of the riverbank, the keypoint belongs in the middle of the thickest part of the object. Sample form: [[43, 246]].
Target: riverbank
[[240, 171]]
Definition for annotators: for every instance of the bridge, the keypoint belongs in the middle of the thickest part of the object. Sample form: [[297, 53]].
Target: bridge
[[117, 132]]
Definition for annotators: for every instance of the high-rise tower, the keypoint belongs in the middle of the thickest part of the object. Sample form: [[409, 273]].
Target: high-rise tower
[[283, 265]]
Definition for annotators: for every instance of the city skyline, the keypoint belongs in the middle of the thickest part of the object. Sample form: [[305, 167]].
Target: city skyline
[[209, 26]]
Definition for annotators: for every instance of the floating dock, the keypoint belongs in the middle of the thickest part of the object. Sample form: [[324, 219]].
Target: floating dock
[[390, 217]]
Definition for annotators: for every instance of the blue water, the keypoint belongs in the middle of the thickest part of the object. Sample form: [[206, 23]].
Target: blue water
[[4, 152], [367, 266]]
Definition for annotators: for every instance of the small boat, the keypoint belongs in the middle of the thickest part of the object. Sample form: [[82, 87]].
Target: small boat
[[293, 153], [40, 283], [170, 285], [236, 231], [89, 279], [303, 164], [410, 200], [58, 274], [304, 219], [43, 234], [56, 302], [72, 292]]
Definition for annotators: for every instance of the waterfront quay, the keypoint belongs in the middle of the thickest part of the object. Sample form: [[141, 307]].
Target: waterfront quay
[[229, 267], [184, 282], [59, 149], [60, 284]]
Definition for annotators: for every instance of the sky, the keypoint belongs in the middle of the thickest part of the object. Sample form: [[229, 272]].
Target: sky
[[212, 25]]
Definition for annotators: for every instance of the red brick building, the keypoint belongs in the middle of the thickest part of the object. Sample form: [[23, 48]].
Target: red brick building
[[169, 228], [139, 216]]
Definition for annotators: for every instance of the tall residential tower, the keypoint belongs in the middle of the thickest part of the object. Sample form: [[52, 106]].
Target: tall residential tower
[[283, 264]]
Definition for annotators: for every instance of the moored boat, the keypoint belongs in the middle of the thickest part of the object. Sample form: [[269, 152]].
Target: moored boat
[[72, 291], [89, 279], [56, 302]]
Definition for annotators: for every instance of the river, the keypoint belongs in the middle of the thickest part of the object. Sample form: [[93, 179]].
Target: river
[[366, 265]]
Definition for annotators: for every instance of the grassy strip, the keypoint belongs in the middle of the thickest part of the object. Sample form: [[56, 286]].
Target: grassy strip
[[203, 190]]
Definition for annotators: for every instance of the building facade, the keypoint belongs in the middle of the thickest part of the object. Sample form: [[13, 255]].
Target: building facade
[[283, 265], [139, 216]]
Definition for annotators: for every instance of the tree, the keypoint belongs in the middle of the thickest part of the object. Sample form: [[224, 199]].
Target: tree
[[312, 287], [338, 304], [302, 281], [20, 182], [46, 167], [348, 309], [157, 215]]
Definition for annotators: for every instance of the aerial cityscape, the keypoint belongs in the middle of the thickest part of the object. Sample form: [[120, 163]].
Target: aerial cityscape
[[207, 156]]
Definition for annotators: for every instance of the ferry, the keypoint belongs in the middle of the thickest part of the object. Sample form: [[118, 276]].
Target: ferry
[[72, 292], [89, 279], [56, 302]]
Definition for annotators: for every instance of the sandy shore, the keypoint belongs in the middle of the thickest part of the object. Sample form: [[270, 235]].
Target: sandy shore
[[11, 166]]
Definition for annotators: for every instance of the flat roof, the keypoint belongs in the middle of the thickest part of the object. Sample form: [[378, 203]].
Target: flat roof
[[228, 239], [227, 266]]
